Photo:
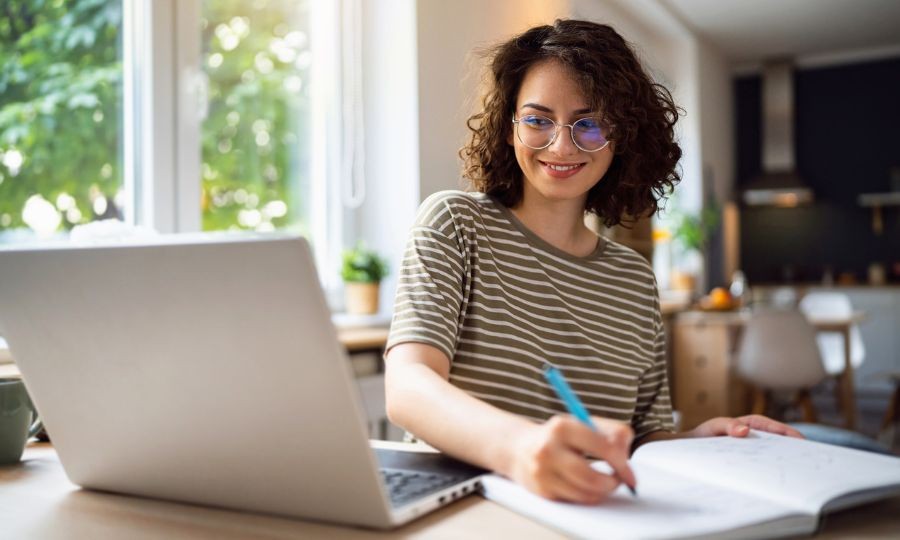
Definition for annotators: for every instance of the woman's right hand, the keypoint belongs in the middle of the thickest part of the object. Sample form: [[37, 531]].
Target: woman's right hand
[[549, 459]]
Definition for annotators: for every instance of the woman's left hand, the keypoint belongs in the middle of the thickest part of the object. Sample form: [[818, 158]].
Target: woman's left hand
[[741, 426]]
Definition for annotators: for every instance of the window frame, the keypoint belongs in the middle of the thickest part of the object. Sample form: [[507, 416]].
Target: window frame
[[164, 91]]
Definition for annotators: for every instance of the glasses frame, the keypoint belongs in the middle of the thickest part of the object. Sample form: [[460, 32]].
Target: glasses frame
[[559, 126]]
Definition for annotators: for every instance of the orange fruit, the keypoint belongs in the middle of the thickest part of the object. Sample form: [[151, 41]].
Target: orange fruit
[[720, 298]]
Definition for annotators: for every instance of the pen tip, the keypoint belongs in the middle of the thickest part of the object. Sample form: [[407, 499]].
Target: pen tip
[[633, 491]]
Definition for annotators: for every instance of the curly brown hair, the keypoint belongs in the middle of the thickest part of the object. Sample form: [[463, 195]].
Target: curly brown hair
[[640, 113]]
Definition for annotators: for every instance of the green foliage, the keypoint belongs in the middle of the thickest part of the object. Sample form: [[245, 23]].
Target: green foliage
[[60, 95], [362, 265], [254, 140], [61, 99], [692, 231]]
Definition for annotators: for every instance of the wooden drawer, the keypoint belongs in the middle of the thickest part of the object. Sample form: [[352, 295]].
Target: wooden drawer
[[703, 381]]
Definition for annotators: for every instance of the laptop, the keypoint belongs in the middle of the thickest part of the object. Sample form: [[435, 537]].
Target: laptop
[[206, 369]]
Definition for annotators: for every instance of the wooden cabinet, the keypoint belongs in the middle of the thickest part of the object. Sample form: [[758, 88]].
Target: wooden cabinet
[[704, 384]]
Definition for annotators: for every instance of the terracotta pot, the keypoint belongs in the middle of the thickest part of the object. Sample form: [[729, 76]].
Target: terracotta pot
[[683, 281], [361, 298]]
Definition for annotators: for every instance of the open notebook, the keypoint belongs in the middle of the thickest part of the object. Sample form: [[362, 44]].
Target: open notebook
[[760, 486]]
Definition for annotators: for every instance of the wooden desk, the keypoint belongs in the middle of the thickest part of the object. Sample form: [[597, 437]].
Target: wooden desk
[[363, 338], [713, 353], [38, 502]]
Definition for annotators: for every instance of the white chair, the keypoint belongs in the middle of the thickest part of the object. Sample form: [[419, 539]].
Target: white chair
[[828, 304], [784, 298], [778, 352]]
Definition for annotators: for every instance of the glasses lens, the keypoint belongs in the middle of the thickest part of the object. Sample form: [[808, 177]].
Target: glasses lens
[[589, 134], [536, 131]]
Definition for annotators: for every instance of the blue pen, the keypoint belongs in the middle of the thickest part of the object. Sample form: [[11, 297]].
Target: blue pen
[[573, 404]]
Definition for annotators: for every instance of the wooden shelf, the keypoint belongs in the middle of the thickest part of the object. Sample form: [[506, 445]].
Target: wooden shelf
[[876, 201], [880, 199]]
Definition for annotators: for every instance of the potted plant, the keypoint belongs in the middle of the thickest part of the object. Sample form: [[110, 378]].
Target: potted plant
[[692, 232], [362, 271]]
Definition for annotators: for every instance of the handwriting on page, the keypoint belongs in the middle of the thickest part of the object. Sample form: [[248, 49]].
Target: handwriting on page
[[796, 472], [766, 457]]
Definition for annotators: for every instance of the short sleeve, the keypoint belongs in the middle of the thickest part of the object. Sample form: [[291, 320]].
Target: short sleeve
[[431, 284], [654, 406]]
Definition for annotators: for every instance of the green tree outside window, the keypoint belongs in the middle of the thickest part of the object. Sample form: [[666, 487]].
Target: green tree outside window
[[61, 116], [60, 111], [255, 138]]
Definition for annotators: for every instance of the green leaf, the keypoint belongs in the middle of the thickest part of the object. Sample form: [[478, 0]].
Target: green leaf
[[362, 265]]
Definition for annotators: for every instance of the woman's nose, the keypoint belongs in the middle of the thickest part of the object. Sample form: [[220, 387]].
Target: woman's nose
[[563, 145]]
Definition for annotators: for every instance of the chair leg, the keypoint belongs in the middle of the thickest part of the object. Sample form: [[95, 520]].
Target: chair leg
[[806, 404], [893, 407], [760, 401], [839, 404]]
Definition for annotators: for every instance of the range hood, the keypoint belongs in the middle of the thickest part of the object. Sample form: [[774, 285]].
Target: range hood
[[779, 184]]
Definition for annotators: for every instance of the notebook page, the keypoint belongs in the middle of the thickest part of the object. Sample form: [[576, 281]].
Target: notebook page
[[667, 506], [794, 472]]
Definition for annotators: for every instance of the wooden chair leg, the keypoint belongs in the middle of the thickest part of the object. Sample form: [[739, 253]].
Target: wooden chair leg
[[806, 404], [893, 407], [760, 401], [839, 404]]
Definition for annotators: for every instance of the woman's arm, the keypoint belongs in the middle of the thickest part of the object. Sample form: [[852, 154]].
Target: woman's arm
[[548, 458], [734, 427]]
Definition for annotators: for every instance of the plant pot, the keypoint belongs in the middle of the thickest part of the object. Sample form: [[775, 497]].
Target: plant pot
[[361, 298], [683, 281]]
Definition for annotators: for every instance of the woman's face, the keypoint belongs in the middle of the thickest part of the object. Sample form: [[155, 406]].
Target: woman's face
[[561, 171]]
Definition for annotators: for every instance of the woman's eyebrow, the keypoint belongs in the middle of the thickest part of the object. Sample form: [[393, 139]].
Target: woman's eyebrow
[[545, 109]]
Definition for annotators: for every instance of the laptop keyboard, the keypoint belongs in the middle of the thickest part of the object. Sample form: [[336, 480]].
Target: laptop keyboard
[[406, 486]]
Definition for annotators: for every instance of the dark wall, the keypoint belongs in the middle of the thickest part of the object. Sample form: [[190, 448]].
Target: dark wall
[[847, 136]]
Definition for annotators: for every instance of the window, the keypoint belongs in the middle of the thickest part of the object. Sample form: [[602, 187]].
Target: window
[[256, 132], [61, 129], [177, 115]]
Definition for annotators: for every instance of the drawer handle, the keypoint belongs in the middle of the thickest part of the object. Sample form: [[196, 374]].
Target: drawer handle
[[701, 397], [701, 361]]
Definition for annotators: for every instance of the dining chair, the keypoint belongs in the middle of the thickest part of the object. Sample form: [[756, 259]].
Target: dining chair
[[783, 298], [778, 353], [831, 304]]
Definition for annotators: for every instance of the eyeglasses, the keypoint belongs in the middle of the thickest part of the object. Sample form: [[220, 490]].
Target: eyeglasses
[[539, 132]]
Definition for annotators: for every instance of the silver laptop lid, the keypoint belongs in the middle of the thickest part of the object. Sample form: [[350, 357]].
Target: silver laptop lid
[[205, 371]]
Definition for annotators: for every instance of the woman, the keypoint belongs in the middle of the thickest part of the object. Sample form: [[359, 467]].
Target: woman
[[498, 282]]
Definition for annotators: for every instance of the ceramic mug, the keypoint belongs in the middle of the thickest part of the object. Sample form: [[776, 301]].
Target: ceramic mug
[[18, 420]]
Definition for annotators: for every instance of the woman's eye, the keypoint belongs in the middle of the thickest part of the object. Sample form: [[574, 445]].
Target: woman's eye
[[537, 122], [588, 123]]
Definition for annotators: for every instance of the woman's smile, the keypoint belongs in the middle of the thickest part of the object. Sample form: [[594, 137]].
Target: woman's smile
[[561, 170]]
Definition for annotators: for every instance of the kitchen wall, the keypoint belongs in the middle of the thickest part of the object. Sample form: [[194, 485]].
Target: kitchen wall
[[847, 140]]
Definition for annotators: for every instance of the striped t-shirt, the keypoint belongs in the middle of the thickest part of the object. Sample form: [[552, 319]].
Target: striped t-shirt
[[500, 302]]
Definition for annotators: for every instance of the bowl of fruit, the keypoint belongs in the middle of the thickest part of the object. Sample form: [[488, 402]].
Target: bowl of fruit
[[718, 299]]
